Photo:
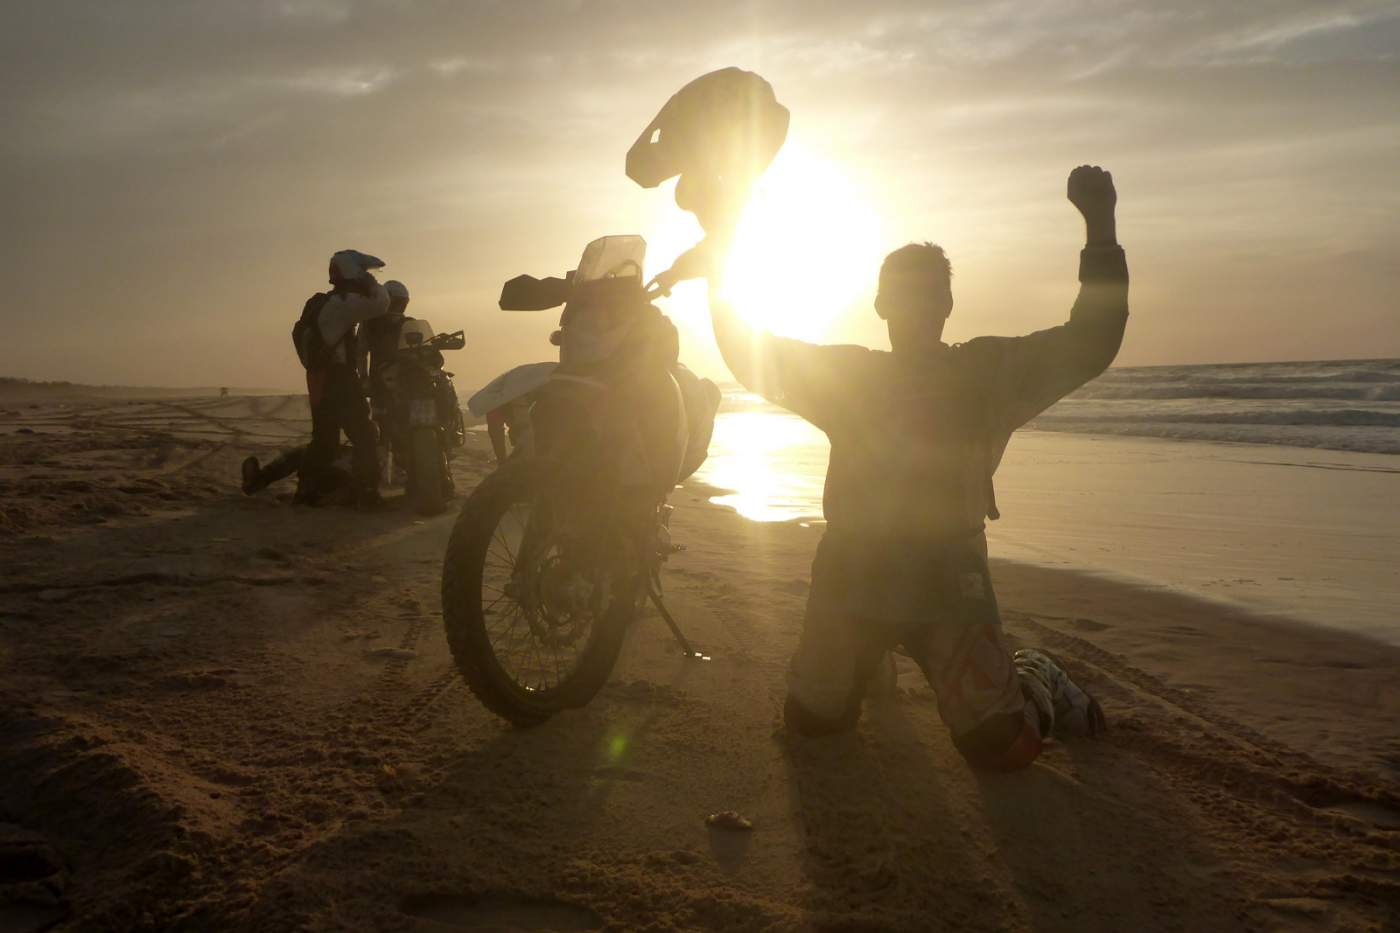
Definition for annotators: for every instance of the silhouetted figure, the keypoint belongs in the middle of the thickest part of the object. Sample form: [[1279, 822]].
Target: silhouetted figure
[[904, 558], [325, 342]]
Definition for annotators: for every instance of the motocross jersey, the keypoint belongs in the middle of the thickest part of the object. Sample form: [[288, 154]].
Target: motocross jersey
[[915, 441]]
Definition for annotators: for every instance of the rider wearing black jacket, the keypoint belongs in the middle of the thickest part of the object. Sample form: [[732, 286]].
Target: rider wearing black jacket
[[332, 383]]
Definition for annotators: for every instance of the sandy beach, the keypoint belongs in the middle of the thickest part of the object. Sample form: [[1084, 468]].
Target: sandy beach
[[223, 713]]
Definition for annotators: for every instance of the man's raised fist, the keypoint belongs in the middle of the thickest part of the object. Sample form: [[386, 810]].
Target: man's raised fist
[[1091, 190]]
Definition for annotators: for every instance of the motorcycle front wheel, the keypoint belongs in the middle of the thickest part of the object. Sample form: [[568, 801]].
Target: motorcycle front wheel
[[535, 616]]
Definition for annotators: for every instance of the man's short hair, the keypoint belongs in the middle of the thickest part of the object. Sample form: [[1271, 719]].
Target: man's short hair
[[917, 257]]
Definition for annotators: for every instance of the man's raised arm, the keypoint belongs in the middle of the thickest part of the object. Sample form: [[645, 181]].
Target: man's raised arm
[[1035, 371], [747, 352], [807, 379]]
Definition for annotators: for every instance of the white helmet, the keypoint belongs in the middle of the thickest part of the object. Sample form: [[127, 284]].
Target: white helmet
[[350, 264], [397, 291]]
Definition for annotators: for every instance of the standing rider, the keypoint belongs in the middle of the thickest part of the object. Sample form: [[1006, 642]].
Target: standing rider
[[904, 556], [325, 339]]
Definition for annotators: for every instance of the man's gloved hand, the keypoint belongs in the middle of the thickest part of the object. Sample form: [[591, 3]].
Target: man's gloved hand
[[1065, 708], [1090, 189], [720, 204]]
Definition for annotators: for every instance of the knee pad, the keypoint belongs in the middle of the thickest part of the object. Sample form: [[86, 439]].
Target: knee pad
[[1004, 742]]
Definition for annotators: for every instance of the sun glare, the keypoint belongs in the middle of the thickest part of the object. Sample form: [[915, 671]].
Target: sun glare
[[771, 464], [807, 247]]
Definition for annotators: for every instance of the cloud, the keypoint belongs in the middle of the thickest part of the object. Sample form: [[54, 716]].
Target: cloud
[[476, 139], [317, 11]]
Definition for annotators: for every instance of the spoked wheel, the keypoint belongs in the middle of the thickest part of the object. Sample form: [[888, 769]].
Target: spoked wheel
[[536, 602]]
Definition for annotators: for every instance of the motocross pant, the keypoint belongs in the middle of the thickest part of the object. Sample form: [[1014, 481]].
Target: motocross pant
[[338, 404], [936, 602], [289, 461]]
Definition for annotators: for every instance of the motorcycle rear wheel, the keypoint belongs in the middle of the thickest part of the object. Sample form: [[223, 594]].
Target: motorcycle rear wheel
[[427, 471], [496, 566]]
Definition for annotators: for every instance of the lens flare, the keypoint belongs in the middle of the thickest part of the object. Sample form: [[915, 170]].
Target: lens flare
[[806, 250]]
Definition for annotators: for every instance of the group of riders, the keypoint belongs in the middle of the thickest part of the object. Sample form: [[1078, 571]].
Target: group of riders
[[916, 434], [347, 339]]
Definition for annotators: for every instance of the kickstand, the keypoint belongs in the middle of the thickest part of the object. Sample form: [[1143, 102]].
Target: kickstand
[[686, 648]]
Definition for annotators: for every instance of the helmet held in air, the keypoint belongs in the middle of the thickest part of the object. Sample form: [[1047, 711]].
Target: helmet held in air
[[718, 133], [347, 265]]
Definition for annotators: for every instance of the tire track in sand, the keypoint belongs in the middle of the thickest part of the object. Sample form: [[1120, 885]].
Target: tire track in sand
[[1341, 830]]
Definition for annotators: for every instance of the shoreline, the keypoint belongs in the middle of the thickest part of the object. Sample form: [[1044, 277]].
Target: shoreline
[[1229, 522], [1327, 692], [1246, 660]]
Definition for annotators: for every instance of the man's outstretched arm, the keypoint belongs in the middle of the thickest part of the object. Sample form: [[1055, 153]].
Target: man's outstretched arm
[[805, 378], [811, 380], [1037, 370], [747, 352]]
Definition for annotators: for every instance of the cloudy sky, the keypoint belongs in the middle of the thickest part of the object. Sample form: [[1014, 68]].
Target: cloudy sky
[[176, 174]]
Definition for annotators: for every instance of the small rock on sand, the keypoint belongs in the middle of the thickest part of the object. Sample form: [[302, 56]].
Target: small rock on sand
[[729, 819]]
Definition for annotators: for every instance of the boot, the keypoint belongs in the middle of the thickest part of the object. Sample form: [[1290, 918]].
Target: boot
[[368, 500], [252, 476], [1065, 708]]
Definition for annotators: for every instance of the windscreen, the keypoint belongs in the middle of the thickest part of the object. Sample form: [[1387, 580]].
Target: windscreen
[[612, 257]]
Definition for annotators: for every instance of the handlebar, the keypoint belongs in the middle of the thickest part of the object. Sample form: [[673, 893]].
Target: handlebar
[[453, 341]]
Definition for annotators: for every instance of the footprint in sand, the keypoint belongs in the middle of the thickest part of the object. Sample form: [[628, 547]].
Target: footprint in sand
[[32, 881], [499, 912]]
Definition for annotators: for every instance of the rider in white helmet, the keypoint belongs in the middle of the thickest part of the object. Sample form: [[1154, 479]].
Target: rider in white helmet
[[379, 337]]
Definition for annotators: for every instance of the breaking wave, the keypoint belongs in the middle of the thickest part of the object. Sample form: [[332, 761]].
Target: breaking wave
[[1337, 405]]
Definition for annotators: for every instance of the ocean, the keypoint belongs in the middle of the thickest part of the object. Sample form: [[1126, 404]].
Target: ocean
[[1332, 405], [774, 462]]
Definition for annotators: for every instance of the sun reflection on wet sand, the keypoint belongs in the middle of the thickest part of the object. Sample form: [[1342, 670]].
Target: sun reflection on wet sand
[[772, 463]]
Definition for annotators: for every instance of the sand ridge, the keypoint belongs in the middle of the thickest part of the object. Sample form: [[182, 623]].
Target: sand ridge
[[220, 712]]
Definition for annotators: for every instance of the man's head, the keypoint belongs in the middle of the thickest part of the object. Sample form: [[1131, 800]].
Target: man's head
[[916, 296]]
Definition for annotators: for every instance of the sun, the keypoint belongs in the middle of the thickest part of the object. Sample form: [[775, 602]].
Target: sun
[[806, 249]]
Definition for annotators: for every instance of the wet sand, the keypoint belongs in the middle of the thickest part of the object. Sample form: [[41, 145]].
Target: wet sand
[[1295, 532], [223, 713]]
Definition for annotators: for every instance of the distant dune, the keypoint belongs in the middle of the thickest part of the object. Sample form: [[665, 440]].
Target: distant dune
[[12, 389]]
